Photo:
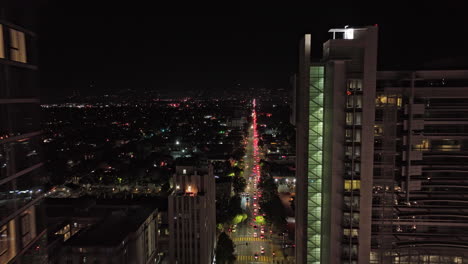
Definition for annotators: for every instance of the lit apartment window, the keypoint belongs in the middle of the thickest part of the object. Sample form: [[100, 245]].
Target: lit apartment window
[[357, 151], [350, 232], [425, 145], [378, 130], [349, 135], [352, 185], [349, 118], [357, 135], [358, 101], [17, 46], [381, 100], [355, 85], [357, 118], [353, 118], [348, 151], [357, 167], [2, 45], [4, 244]]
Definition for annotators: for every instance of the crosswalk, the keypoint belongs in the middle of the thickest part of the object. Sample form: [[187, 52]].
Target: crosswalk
[[252, 258], [246, 239]]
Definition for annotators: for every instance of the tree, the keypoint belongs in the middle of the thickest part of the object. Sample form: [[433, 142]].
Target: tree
[[226, 211], [239, 183], [225, 249], [239, 219], [275, 213]]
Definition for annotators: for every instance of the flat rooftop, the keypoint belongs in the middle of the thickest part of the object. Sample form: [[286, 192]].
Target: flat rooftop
[[112, 230]]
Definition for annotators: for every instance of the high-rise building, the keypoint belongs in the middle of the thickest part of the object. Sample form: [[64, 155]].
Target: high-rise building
[[192, 216], [335, 127], [420, 168], [381, 158], [22, 229]]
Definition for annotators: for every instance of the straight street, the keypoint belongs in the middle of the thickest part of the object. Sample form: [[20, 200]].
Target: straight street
[[255, 243]]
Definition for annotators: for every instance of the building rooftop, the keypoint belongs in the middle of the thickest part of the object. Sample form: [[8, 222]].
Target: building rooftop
[[112, 230], [95, 208]]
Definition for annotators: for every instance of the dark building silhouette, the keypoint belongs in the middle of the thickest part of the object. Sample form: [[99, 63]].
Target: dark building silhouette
[[22, 227]]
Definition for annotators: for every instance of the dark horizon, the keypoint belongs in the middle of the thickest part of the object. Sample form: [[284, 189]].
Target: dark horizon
[[97, 50]]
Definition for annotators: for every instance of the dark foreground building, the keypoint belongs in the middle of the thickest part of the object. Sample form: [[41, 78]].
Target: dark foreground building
[[89, 230], [381, 158], [22, 229]]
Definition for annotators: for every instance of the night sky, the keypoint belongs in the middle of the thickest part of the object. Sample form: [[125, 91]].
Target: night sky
[[145, 47]]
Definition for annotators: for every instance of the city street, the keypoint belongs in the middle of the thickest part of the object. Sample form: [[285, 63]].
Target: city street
[[248, 236]]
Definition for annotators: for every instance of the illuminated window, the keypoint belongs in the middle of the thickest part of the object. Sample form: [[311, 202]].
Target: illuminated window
[[425, 145], [17, 46], [349, 118], [358, 118], [348, 151], [350, 232], [358, 101], [357, 167], [399, 101], [355, 85], [348, 135], [4, 245], [357, 151], [381, 100], [349, 101], [352, 185], [378, 130], [66, 236], [2, 45], [357, 135]]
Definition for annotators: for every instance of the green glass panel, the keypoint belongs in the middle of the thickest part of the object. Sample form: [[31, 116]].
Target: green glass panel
[[315, 162]]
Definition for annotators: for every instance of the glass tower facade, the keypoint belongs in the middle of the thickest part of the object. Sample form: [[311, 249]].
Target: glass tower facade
[[315, 164]]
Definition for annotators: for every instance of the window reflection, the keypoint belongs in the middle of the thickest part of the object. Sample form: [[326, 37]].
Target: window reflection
[[17, 46]]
